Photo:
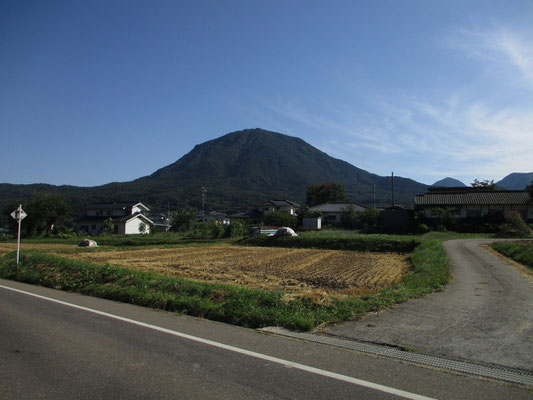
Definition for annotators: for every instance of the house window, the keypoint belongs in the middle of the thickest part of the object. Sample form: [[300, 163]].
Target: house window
[[473, 213], [99, 213], [109, 212], [93, 227]]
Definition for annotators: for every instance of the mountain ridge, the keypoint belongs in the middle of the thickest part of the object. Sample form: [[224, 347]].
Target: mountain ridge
[[449, 182], [239, 170], [516, 180]]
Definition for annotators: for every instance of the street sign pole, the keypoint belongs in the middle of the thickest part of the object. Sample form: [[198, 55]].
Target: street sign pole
[[19, 214], [19, 217]]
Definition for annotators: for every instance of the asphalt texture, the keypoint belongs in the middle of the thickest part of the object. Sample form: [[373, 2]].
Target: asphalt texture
[[55, 351], [484, 315]]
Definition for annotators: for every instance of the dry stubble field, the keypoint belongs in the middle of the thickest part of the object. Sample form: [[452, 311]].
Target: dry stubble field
[[318, 274]]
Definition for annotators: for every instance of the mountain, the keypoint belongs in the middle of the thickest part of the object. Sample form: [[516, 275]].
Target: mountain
[[238, 170], [516, 180], [449, 182]]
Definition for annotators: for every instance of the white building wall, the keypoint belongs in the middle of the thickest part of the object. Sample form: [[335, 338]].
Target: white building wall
[[132, 227], [136, 209]]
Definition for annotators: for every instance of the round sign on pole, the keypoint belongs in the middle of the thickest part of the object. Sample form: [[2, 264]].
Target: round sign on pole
[[19, 214]]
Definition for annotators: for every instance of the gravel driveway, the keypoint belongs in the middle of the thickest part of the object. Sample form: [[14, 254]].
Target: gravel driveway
[[484, 315]]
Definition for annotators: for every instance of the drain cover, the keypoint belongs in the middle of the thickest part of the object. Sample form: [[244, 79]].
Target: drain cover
[[487, 371]]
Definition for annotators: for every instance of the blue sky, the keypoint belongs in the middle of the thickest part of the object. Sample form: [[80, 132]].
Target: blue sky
[[98, 91]]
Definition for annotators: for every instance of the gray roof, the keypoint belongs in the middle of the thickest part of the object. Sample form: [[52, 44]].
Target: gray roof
[[336, 207], [114, 206], [280, 203], [481, 197]]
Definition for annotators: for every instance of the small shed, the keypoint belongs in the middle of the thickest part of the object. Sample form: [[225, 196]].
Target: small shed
[[312, 222]]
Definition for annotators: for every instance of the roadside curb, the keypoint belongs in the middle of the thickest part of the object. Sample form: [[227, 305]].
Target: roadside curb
[[482, 370]]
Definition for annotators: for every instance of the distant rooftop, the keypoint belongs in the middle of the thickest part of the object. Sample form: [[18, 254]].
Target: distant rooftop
[[336, 207], [472, 196]]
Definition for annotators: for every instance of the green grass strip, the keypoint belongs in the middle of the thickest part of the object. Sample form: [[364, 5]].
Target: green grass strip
[[232, 304], [521, 252]]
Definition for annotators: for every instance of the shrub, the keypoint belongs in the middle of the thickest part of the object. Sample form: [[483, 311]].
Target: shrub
[[350, 217], [515, 227], [235, 229], [335, 243], [369, 220], [278, 218], [183, 219]]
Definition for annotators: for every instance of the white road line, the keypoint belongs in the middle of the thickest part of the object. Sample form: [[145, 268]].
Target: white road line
[[329, 374]]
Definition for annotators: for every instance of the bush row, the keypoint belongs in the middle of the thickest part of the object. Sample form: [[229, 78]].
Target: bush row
[[335, 243]]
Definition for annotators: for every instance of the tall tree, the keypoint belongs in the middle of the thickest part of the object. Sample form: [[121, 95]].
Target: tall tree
[[47, 212], [324, 193], [484, 184], [183, 219]]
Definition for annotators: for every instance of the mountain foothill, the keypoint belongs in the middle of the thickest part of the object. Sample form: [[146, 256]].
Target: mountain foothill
[[240, 170]]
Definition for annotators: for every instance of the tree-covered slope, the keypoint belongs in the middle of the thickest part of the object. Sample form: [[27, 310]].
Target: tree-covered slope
[[516, 180], [449, 182], [238, 170]]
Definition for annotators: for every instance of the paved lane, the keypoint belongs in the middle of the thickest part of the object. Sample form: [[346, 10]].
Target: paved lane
[[51, 350], [485, 314]]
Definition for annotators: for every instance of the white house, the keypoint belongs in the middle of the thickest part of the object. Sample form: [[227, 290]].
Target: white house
[[127, 218]]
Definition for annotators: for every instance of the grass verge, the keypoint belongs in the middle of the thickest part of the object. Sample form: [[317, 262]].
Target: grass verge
[[521, 252], [226, 303]]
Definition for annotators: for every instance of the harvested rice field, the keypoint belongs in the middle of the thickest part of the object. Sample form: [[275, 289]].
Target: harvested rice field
[[8, 247], [317, 274]]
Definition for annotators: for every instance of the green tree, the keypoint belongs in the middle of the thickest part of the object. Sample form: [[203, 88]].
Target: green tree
[[109, 227], [235, 229], [278, 218], [183, 219], [515, 226], [143, 227], [369, 220], [324, 193], [447, 217], [350, 217], [47, 213], [484, 184]]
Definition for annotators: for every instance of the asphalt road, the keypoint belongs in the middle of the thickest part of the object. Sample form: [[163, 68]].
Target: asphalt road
[[87, 348], [484, 315]]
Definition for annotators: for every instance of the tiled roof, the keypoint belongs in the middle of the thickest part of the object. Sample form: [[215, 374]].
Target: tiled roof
[[335, 207], [482, 197]]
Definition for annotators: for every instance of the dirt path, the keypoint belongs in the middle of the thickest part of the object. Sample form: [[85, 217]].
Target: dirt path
[[485, 314]]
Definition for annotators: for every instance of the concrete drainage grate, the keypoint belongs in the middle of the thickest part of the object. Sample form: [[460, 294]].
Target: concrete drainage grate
[[487, 371]]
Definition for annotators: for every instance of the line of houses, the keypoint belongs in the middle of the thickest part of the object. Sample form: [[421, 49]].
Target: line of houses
[[133, 217]]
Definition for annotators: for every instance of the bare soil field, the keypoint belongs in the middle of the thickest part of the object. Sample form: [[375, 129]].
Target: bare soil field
[[317, 274]]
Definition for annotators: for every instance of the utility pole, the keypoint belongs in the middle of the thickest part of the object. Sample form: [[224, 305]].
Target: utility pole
[[392, 183], [374, 190], [203, 201]]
